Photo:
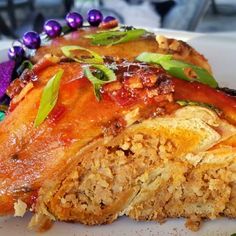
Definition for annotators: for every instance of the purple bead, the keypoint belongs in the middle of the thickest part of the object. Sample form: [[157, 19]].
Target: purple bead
[[16, 53], [31, 40], [52, 28], [74, 20], [109, 18], [95, 17]]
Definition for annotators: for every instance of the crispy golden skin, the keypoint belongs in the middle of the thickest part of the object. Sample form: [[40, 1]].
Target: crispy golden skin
[[132, 153]]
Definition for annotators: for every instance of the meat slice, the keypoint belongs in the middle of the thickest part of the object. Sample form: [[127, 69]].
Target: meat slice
[[29, 155], [135, 152], [144, 171]]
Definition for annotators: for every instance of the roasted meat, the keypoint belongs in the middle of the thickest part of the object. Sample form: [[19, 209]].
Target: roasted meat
[[134, 152]]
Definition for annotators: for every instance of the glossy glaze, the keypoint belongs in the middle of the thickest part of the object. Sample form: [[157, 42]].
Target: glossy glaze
[[30, 156]]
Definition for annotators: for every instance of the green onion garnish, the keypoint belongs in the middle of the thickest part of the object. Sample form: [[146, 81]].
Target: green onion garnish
[[100, 76], [93, 58], [179, 69], [115, 37], [25, 64], [49, 98], [184, 103], [154, 58]]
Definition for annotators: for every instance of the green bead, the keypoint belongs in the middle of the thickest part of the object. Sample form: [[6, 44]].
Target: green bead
[[2, 116]]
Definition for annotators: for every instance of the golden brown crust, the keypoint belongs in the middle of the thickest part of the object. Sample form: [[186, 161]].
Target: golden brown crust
[[129, 50], [149, 172]]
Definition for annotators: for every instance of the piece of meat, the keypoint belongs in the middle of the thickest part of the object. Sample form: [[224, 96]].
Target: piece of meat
[[134, 131], [31, 155], [154, 169]]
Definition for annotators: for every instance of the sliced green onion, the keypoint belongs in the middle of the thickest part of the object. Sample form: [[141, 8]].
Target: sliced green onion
[[2, 116], [178, 68], [184, 103], [94, 59], [49, 98], [25, 64], [115, 37], [154, 58], [101, 76]]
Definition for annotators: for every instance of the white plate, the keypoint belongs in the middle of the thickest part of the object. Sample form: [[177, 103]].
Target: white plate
[[221, 52]]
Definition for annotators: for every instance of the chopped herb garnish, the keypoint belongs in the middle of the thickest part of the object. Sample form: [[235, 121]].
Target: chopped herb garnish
[[49, 98], [179, 69], [154, 58], [100, 76], [2, 116], [93, 57], [112, 37], [25, 64], [184, 103]]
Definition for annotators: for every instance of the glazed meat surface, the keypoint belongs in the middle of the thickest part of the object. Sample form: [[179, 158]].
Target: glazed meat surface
[[135, 152], [30, 155]]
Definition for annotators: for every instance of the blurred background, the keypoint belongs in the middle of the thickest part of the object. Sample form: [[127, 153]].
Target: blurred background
[[19, 16]]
